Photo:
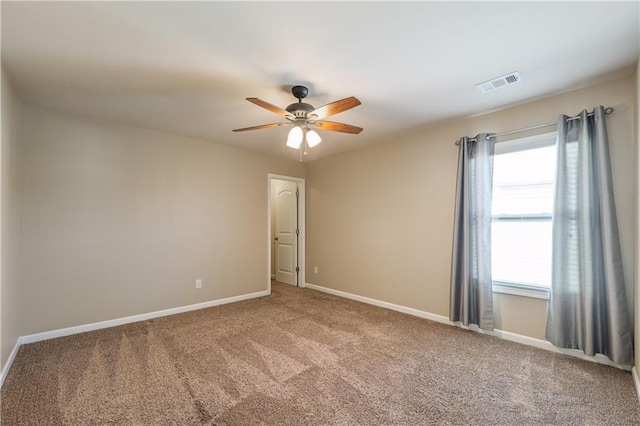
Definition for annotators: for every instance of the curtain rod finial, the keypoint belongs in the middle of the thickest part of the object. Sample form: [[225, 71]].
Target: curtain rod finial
[[608, 110]]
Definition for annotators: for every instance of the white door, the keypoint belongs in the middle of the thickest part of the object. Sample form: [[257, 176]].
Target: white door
[[286, 231]]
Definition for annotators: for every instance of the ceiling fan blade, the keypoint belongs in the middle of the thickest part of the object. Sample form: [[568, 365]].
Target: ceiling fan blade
[[262, 126], [267, 105], [334, 108], [337, 127]]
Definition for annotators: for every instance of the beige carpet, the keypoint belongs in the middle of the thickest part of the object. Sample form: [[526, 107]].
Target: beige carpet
[[302, 357]]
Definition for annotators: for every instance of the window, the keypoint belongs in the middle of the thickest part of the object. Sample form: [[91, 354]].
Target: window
[[523, 176]]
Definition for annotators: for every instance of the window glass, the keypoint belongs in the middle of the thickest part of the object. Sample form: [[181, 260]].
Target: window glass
[[523, 181], [522, 207]]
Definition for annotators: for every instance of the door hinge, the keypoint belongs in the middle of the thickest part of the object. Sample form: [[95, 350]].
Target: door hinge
[[297, 192], [297, 269], [297, 232]]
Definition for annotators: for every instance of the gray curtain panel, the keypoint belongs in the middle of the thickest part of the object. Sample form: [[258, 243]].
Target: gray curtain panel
[[471, 293], [587, 303]]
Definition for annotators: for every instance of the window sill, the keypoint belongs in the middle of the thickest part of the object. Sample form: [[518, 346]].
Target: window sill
[[521, 290]]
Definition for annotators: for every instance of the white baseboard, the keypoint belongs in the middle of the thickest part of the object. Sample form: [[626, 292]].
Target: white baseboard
[[380, 303], [31, 338], [636, 381], [7, 365], [506, 335]]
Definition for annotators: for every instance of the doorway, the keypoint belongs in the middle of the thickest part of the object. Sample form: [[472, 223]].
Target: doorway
[[286, 225]]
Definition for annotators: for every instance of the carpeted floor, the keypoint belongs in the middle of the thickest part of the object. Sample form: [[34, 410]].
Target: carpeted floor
[[303, 357]]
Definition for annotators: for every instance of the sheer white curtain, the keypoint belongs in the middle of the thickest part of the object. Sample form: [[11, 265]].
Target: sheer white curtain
[[587, 304], [471, 286]]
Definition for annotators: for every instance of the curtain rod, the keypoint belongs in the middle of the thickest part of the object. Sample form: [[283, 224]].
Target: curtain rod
[[607, 110]]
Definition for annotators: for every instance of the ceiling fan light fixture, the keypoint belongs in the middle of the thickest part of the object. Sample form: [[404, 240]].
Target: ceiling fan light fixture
[[313, 138], [295, 138], [303, 115]]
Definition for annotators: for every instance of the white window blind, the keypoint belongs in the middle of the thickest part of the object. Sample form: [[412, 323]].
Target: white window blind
[[523, 177]]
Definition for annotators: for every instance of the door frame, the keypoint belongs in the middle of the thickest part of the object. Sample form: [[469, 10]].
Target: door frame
[[301, 227]]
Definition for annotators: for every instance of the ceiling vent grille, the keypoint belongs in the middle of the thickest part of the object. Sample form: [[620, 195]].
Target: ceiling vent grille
[[499, 82]]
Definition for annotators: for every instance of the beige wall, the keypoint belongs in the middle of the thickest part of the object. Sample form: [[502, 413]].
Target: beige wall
[[118, 221], [10, 225], [379, 220]]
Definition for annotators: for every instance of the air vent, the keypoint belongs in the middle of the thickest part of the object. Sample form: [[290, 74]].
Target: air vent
[[497, 83]]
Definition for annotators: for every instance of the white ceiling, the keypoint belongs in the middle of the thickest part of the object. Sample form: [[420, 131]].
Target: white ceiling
[[186, 67]]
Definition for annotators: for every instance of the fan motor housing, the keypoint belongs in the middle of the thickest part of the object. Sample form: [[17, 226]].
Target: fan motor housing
[[300, 109]]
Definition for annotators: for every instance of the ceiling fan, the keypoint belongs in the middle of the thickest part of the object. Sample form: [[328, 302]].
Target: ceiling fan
[[305, 118]]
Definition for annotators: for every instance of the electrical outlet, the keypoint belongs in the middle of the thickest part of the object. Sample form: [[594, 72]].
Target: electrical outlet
[[198, 283], [315, 269]]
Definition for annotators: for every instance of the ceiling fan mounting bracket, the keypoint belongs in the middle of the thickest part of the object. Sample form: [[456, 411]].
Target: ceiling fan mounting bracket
[[299, 92]]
